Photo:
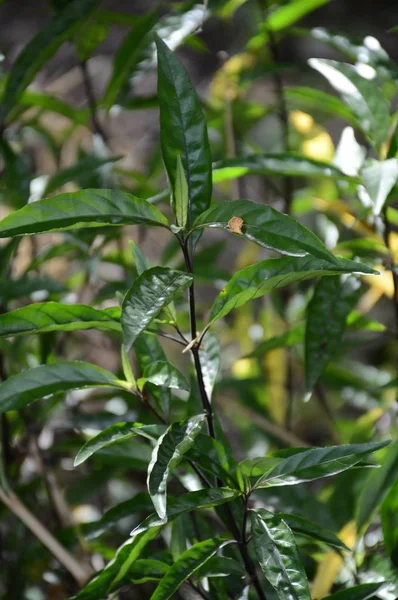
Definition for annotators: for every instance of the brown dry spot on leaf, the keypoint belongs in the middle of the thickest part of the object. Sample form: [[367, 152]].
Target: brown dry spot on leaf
[[235, 224]]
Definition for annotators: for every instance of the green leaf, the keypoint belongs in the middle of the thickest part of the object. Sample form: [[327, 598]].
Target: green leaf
[[305, 527], [210, 360], [53, 316], [181, 195], [284, 340], [88, 208], [259, 279], [115, 574], [327, 314], [20, 390], [183, 131], [83, 166], [286, 164], [41, 48], [152, 290], [305, 465], [149, 350], [377, 486], [147, 569], [189, 562], [220, 566], [141, 262], [278, 556], [168, 452], [128, 56], [365, 591], [188, 502], [30, 98], [389, 522], [88, 37], [379, 178], [267, 227], [289, 13], [363, 96], [313, 99], [140, 503], [118, 432], [164, 374]]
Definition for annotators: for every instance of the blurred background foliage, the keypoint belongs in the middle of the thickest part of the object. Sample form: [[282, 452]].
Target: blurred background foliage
[[88, 117]]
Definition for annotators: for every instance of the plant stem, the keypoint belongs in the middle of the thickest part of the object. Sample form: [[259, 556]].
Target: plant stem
[[92, 103]]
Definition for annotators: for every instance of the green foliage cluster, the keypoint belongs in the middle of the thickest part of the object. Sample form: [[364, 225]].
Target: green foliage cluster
[[162, 477]]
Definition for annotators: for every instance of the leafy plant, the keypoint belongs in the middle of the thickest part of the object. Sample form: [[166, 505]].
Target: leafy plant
[[243, 472]]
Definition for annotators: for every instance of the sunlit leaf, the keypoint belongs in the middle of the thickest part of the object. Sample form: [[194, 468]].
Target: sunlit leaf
[[303, 526], [379, 178], [164, 374]]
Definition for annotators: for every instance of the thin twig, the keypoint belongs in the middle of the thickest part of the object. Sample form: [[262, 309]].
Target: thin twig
[[92, 103]]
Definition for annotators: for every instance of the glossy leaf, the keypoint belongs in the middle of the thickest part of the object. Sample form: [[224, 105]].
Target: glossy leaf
[[220, 566], [115, 574], [41, 48], [54, 316], [379, 178], [327, 314], [147, 569], [148, 350], [166, 455], [259, 279], [389, 522], [365, 591], [189, 562], [377, 486], [20, 390], [88, 208], [116, 433], [363, 96], [278, 556], [210, 360], [287, 164], [183, 131], [164, 374], [305, 465], [188, 502], [152, 290], [303, 526], [128, 56], [181, 195], [267, 227]]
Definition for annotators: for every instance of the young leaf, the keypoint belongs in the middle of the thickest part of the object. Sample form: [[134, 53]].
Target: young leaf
[[162, 373], [41, 48], [210, 359], [302, 526], [365, 591], [20, 390], [128, 56], [363, 96], [53, 316], [183, 131], [166, 455], [326, 320], [314, 463], [189, 562], [377, 486], [278, 556], [151, 291], [259, 279], [114, 575], [287, 164], [177, 506], [267, 227], [181, 195], [88, 208], [389, 522], [116, 433], [379, 177]]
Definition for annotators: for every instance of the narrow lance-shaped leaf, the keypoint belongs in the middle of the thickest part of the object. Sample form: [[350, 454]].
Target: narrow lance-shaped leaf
[[210, 360], [377, 486], [327, 314], [389, 522], [267, 227], [148, 350], [177, 506], [189, 562], [41, 48], [289, 13], [118, 432], [183, 131], [181, 195], [365, 591], [168, 452], [284, 164], [54, 316], [151, 291], [128, 56], [379, 178], [162, 373], [22, 389], [363, 96], [259, 279], [308, 464], [278, 556], [88, 208], [307, 528]]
